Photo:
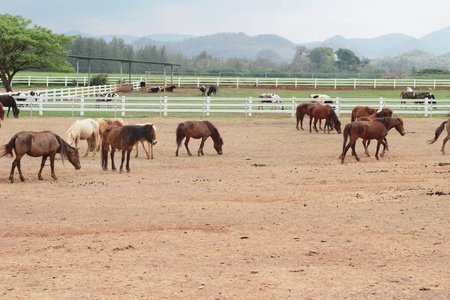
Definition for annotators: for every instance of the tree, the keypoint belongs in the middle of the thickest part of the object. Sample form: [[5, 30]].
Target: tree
[[22, 47], [322, 59], [347, 60]]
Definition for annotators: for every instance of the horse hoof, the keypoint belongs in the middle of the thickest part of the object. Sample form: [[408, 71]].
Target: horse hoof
[[128, 170]]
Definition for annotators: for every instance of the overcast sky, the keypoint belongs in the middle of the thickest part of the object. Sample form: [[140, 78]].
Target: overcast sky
[[299, 21]]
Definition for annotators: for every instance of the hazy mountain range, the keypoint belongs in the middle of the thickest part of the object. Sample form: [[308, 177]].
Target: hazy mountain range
[[227, 45]]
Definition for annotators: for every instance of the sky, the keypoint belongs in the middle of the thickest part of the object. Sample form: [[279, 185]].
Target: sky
[[299, 21]]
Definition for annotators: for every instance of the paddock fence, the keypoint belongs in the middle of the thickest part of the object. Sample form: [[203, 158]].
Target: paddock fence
[[193, 81]]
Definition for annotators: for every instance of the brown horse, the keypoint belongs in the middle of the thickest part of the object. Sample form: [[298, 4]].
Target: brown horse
[[384, 113], [36, 144], [149, 145], [8, 101], [326, 112], [301, 111], [370, 130], [438, 132], [362, 111], [105, 123], [197, 130], [123, 138]]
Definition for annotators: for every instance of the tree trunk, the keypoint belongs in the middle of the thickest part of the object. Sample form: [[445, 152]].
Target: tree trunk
[[6, 83]]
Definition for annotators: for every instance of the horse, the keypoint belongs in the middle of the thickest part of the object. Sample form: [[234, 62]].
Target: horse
[[424, 95], [270, 98], [326, 112], [362, 111], [2, 112], [10, 102], [170, 88], [438, 132], [197, 130], [321, 99], [105, 123], [203, 90], [86, 129], [123, 138], [370, 130], [36, 144], [302, 110], [155, 89], [384, 113], [212, 90], [150, 145]]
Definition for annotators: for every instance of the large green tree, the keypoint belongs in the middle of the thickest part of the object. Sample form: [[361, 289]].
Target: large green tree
[[24, 47], [347, 60]]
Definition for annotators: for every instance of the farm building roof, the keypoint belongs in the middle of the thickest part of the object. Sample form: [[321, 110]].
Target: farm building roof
[[123, 60]]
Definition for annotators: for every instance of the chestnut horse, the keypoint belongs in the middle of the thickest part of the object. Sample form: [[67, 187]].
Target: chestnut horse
[[36, 144], [105, 123], [123, 138], [362, 111], [438, 132], [326, 112], [384, 113], [302, 110], [197, 130], [370, 130]]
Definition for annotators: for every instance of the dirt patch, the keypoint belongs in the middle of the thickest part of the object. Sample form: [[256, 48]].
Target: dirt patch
[[275, 217]]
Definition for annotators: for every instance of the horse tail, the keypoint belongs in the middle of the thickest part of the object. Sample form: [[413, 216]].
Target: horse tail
[[8, 148], [298, 114], [438, 132], [346, 133], [62, 147], [180, 132]]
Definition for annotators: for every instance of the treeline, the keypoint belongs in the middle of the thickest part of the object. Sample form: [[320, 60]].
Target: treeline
[[317, 62]]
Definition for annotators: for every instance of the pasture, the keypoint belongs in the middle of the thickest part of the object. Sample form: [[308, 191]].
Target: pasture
[[277, 216]]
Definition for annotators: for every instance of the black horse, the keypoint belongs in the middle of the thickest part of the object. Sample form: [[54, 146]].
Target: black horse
[[424, 95], [212, 90], [170, 88], [10, 102]]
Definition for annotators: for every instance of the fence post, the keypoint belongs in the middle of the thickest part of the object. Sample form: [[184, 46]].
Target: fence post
[[165, 106], [315, 83], [65, 83], [394, 83], [295, 82], [41, 104], [338, 106], [237, 82], [335, 83], [434, 84], [29, 80], [47, 81], [382, 104], [198, 81], [354, 84], [123, 107], [250, 106], [293, 107], [208, 103], [276, 82], [256, 81], [81, 106], [414, 83], [426, 107]]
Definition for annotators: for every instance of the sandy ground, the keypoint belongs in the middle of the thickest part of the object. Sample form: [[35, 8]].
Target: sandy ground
[[290, 222]]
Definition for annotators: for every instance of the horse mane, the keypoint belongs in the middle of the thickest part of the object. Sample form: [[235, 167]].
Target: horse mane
[[386, 121], [214, 132], [63, 146], [132, 133]]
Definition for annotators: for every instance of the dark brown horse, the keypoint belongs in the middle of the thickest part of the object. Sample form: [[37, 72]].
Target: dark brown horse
[[438, 132], [362, 111], [36, 144], [123, 138], [369, 130], [8, 101], [197, 130], [384, 113], [301, 111], [326, 112]]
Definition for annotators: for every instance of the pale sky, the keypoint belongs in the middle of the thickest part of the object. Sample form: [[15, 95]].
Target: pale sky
[[299, 21]]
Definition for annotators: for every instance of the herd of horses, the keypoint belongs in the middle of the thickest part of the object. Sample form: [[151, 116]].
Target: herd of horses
[[109, 135]]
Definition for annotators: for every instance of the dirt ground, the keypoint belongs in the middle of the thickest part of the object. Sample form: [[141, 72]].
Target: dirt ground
[[277, 216]]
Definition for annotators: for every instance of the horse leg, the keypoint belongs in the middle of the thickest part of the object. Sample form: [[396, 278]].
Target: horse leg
[[186, 145], [52, 166], [200, 150], [44, 158], [128, 160], [366, 144], [89, 142], [150, 145], [378, 149], [122, 160], [137, 148], [145, 149], [320, 125], [443, 144], [16, 163], [113, 166], [384, 143], [315, 125]]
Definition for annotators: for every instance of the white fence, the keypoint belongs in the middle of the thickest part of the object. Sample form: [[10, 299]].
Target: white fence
[[192, 81]]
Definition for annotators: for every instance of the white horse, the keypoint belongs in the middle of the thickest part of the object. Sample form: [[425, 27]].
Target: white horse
[[150, 145], [86, 129], [270, 98]]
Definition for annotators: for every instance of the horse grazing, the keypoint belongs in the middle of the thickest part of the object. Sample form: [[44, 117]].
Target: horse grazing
[[302, 110], [270, 98], [36, 144], [438, 132], [362, 111], [123, 138], [86, 129], [370, 130], [10, 102], [105, 123], [203, 90], [197, 130], [212, 90], [143, 140], [320, 111]]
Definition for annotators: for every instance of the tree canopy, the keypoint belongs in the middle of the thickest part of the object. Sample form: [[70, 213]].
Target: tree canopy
[[23, 47]]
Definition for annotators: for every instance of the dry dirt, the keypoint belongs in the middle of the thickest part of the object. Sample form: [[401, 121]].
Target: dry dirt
[[277, 216]]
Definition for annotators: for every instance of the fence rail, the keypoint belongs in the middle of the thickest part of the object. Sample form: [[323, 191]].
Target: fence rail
[[193, 81]]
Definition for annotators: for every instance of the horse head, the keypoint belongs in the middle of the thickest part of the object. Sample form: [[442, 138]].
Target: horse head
[[218, 143], [399, 126], [73, 156]]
